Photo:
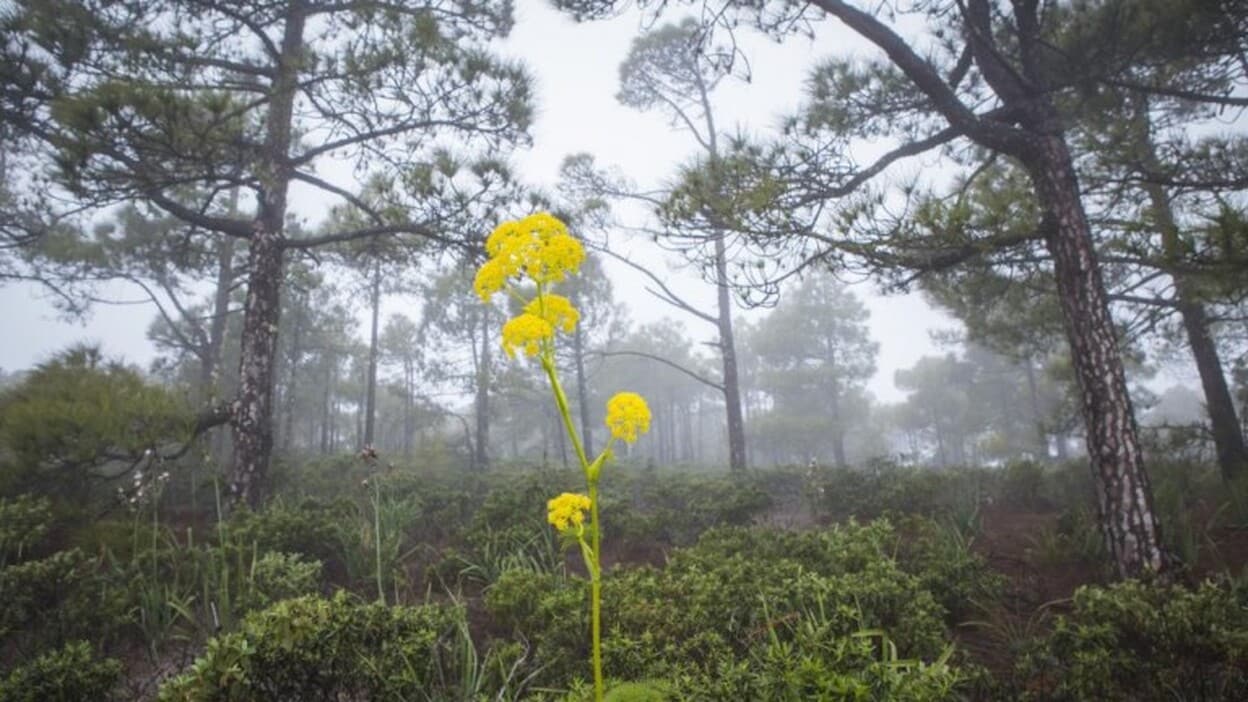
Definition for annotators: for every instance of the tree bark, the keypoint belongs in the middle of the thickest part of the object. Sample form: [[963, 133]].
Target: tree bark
[[326, 405], [210, 380], [1124, 497], [253, 410]]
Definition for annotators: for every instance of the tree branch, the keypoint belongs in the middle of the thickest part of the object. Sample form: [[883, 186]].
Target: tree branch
[[659, 359], [367, 232], [925, 78], [667, 295], [224, 225]]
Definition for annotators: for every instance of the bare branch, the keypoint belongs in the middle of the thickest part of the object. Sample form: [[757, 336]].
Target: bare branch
[[667, 294], [659, 359]]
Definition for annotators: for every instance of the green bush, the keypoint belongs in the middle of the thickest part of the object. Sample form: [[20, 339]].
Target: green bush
[[716, 602], [859, 667], [56, 599], [1022, 486], [940, 556], [24, 521], [306, 527], [1134, 641], [69, 674], [317, 649], [282, 576], [882, 487], [685, 506]]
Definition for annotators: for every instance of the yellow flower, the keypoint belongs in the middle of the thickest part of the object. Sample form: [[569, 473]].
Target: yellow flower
[[627, 415], [503, 235], [556, 309], [491, 278], [538, 245], [567, 510], [558, 256], [527, 331], [544, 225]]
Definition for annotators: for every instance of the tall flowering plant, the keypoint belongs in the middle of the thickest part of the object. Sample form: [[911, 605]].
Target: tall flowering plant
[[540, 249]]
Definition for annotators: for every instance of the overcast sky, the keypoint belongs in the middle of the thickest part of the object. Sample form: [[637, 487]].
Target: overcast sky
[[576, 70]]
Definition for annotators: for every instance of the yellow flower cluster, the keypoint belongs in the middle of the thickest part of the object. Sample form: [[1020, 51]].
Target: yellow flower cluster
[[537, 246], [527, 332], [627, 416], [555, 309], [567, 510]]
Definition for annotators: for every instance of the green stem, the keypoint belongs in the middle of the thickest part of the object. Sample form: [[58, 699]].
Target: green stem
[[561, 400], [592, 562], [381, 588], [595, 591]]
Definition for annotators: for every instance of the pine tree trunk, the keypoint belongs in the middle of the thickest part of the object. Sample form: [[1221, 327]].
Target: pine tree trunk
[[211, 362], [1037, 418], [728, 350], [292, 375], [1124, 497], [253, 411], [370, 400], [210, 380], [409, 420], [838, 431], [326, 405], [481, 459], [1228, 440], [582, 391]]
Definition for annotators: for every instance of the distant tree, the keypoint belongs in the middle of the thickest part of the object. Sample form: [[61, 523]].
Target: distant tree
[[598, 326], [402, 344], [658, 361], [815, 356], [464, 333]]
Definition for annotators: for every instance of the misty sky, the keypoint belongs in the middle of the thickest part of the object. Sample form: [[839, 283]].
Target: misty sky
[[576, 71]]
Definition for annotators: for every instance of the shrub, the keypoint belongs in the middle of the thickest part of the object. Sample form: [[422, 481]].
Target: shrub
[[883, 487], [307, 527], [282, 576], [56, 599], [68, 674], [316, 649], [1134, 641], [683, 506], [859, 667], [716, 602], [940, 556], [1022, 486], [24, 521]]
